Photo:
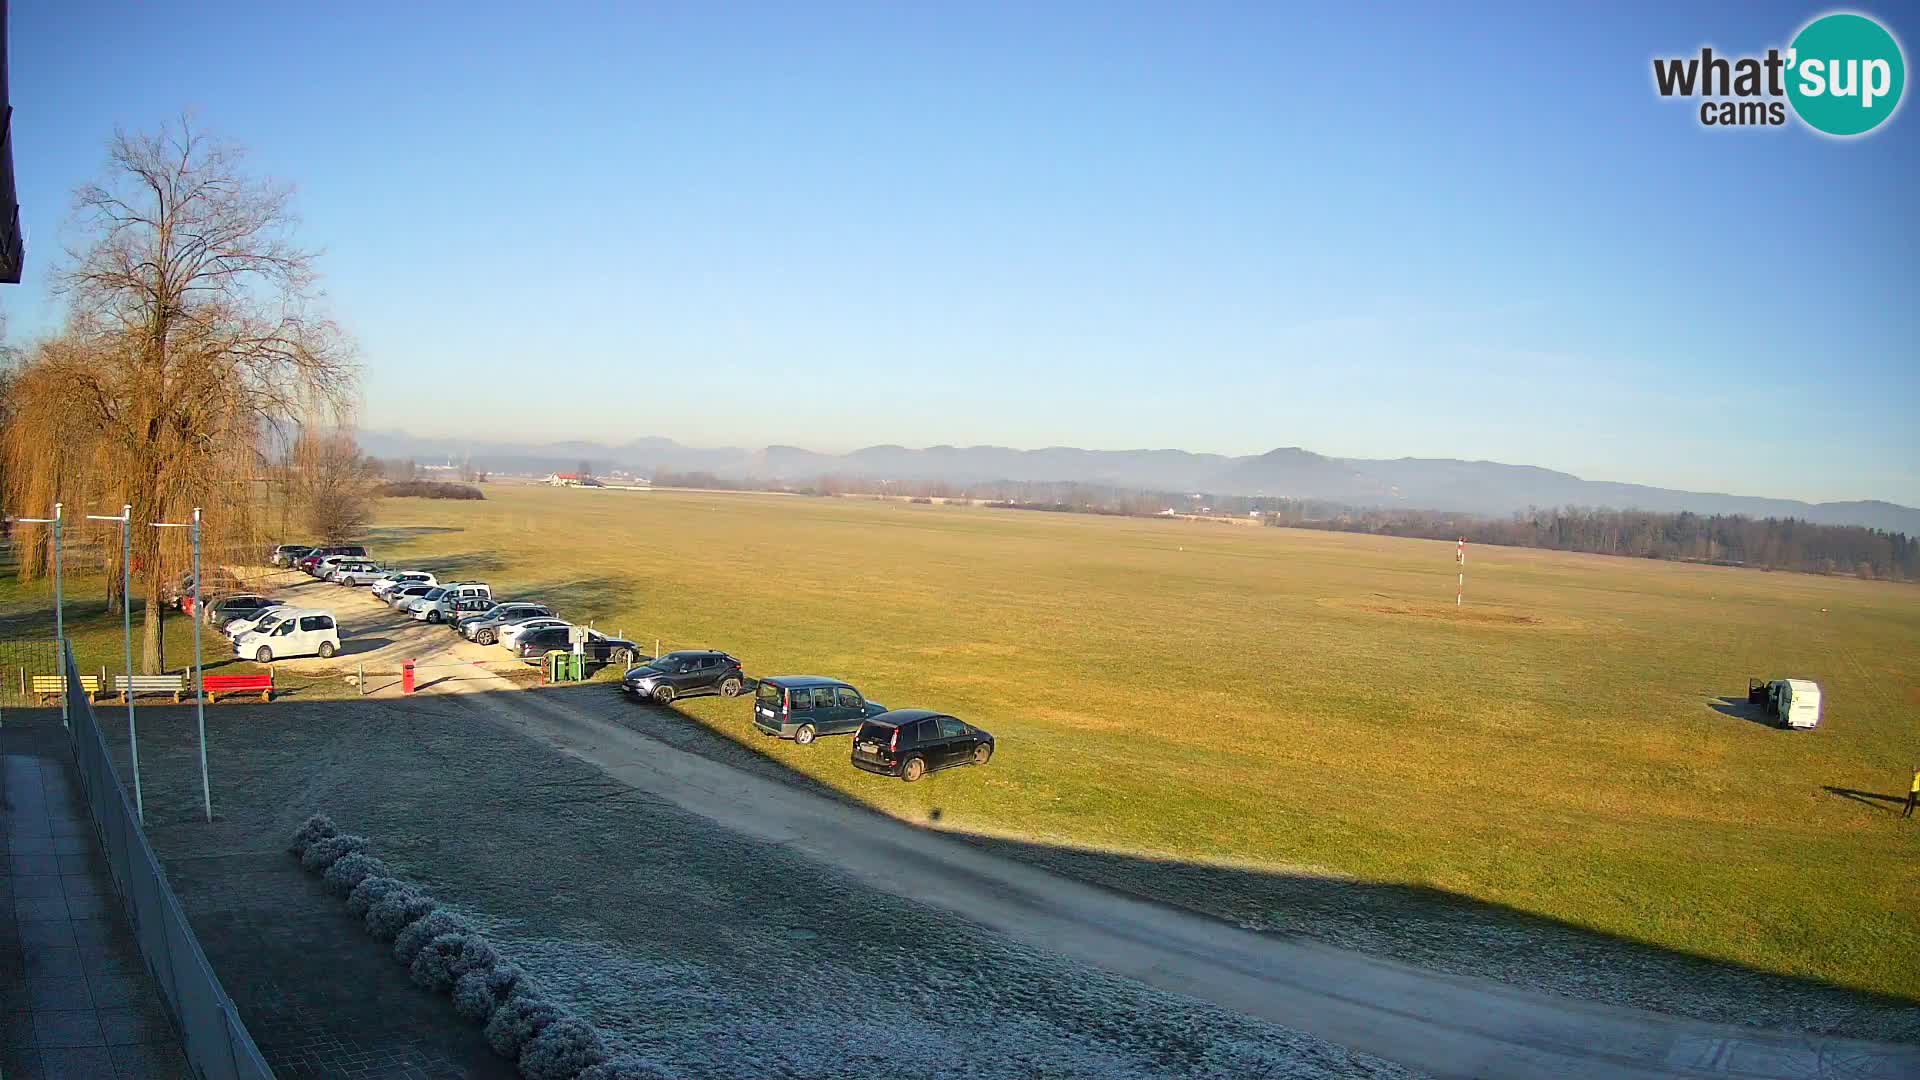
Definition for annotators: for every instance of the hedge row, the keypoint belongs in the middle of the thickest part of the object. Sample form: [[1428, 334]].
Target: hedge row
[[443, 953]]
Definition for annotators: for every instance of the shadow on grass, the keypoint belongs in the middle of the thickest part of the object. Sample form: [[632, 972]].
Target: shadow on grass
[[1869, 798], [1430, 927], [401, 534], [1741, 709], [1416, 924]]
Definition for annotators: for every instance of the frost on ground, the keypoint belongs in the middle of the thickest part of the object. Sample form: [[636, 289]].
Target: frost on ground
[[1413, 925], [977, 1007], [688, 945]]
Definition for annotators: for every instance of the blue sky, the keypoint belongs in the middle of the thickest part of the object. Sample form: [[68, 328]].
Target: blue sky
[[1212, 227]]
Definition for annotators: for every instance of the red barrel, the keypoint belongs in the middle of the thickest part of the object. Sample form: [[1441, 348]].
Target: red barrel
[[406, 677]]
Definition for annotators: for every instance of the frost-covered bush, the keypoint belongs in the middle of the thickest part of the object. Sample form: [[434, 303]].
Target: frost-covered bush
[[480, 991], [396, 911], [477, 954], [432, 966], [423, 930], [348, 871], [517, 1021], [370, 889], [323, 853], [561, 1049], [625, 1067], [318, 827]]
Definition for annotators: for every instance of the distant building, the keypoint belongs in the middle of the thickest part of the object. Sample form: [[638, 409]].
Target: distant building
[[567, 479]]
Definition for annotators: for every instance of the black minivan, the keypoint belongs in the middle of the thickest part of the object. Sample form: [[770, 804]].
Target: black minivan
[[910, 743], [801, 707]]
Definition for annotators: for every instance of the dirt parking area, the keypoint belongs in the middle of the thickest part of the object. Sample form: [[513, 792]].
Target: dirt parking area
[[715, 954], [376, 640]]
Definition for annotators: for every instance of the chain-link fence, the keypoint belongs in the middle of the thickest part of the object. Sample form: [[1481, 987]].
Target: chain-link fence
[[29, 673], [217, 1043]]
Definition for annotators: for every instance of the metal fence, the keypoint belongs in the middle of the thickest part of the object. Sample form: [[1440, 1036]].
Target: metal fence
[[20, 660], [217, 1043]]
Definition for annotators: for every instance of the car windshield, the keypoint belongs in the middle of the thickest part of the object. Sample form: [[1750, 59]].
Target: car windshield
[[434, 594]]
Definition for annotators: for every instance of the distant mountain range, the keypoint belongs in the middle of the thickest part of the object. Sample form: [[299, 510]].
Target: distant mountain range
[[1476, 487]]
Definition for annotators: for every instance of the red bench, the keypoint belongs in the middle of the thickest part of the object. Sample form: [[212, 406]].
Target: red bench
[[239, 684]]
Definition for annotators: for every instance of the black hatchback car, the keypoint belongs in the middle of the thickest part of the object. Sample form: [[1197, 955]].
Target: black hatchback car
[[685, 674], [910, 743]]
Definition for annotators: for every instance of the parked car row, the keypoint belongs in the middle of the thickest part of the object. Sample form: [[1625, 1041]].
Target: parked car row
[[907, 743], [528, 629]]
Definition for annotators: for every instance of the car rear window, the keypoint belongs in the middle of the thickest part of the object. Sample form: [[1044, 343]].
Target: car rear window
[[872, 732], [768, 693]]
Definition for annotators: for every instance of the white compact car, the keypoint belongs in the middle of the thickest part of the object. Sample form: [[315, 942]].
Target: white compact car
[[510, 633], [237, 627], [385, 584], [292, 632]]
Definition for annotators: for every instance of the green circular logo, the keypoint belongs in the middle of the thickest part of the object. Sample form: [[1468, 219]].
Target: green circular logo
[[1845, 74]]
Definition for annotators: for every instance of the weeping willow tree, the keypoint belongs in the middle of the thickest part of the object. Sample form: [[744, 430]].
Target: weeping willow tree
[[191, 338]]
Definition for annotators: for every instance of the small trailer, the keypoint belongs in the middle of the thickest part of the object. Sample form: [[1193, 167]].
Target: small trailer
[[1794, 703]]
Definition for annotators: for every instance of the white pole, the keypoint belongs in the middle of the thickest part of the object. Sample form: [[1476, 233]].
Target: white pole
[[1460, 587], [59, 612], [126, 611], [199, 673]]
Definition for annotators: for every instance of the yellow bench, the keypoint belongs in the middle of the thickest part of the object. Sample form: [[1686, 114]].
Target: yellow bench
[[54, 687]]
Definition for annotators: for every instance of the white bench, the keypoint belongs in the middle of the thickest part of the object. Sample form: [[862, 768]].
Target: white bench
[[174, 685]]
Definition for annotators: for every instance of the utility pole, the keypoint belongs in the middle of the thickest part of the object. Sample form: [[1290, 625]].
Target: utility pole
[[199, 673], [126, 612], [1460, 557]]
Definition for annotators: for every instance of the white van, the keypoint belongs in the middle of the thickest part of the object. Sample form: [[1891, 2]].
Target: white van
[[1796, 702], [293, 632]]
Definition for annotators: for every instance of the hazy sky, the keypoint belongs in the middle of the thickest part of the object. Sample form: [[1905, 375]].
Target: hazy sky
[[1213, 227]]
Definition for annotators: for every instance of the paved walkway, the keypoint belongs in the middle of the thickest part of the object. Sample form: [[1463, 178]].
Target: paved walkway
[[75, 997]]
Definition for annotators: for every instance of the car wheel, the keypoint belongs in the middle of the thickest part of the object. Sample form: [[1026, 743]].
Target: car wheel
[[264, 656], [326, 650], [663, 695], [729, 687], [914, 769], [433, 617], [484, 637], [804, 735], [982, 754]]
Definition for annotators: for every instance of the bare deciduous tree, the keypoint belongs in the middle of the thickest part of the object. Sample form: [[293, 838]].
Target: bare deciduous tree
[[191, 336], [332, 486]]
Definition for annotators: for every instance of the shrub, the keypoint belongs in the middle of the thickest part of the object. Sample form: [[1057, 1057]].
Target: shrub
[[432, 966], [371, 888], [318, 827], [322, 853], [476, 956], [348, 871], [625, 1068], [398, 909], [481, 990], [422, 931], [561, 1049], [517, 1021]]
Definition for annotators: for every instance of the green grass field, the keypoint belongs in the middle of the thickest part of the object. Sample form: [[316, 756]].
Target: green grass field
[[1301, 700]]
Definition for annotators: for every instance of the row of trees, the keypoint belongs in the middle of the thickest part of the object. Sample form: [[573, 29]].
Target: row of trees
[[194, 369], [1769, 543]]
